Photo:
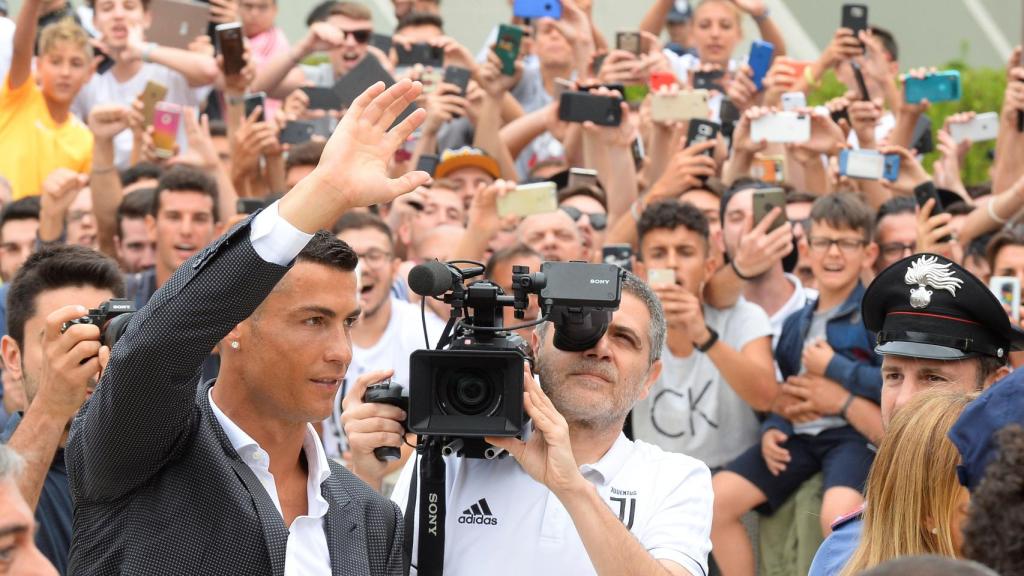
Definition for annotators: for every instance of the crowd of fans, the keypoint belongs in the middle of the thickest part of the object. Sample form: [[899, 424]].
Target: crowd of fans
[[122, 159]]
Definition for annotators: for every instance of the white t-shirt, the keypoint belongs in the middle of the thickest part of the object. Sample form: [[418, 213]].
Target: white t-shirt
[[691, 409], [664, 499], [402, 337], [105, 89]]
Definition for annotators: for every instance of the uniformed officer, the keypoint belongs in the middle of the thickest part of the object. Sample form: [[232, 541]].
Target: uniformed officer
[[936, 325]]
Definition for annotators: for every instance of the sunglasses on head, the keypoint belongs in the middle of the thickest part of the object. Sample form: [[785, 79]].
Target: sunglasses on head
[[598, 221], [360, 36]]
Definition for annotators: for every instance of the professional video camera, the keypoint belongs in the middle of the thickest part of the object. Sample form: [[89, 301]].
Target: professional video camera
[[471, 386], [112, 317]]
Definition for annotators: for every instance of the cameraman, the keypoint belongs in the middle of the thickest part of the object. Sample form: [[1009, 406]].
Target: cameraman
[[577, 497]]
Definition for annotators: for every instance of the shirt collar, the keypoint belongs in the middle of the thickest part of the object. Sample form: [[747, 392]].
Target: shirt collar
[[611, 463]]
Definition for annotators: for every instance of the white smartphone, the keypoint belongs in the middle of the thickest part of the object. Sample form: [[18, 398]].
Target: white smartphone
[[981, 128], [661, 276], [781, 127], [793, 101], [1007, 289], [528, 199]]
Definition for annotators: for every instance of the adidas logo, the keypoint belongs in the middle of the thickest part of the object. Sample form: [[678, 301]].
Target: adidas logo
[[479, 513]]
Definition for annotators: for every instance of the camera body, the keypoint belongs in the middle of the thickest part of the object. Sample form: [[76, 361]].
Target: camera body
[[111, 317]]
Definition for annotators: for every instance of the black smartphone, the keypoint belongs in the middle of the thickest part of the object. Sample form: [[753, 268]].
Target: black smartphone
[[922, 194], [862, 86], [921, 139], [322, 98], [618, 254], [296, 132], [457, 76], [708, 80], [638, 152], [702, 131], [231, 47], [254, 100], [420, 53], [855, 17], [428, 163], [250, 205], [584, 106], [729, 114], [840, 114]]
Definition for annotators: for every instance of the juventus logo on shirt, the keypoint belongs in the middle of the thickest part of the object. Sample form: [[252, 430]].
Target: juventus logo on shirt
[[626, 500]]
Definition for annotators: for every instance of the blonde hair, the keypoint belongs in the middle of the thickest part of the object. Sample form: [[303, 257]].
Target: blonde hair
[[912, 488], [726, 3], [66, 30]]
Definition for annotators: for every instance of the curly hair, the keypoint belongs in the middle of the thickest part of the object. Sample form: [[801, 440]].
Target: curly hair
[[996, 520], [671, 214]]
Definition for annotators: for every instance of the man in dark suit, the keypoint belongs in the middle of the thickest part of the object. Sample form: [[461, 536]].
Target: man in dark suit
[[228, 477]]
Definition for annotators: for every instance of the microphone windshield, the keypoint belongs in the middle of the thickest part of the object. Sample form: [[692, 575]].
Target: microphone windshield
[[431, 278]]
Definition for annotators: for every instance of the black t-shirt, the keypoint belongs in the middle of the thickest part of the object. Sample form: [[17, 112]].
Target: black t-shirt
[[55, 515]]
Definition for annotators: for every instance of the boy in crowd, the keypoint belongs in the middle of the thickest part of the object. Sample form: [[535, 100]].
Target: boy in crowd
[[823, 344], [38, 132], [717, 363]]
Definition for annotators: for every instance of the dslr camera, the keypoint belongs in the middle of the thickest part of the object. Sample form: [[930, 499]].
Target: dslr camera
[[111, 317], [471, 385]]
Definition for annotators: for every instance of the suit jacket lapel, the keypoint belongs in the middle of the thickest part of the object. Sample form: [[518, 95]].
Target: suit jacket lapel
[[346, 539]]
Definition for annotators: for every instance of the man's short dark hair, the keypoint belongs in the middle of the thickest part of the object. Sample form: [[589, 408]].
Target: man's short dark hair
[[800, 198], [996, 517], [671, 214], [320, 12], [414, 19], [53, 268], [361, 220], [327, 250], [145, 4], [517, 251], [185, 179], [896, 205], [134, 206], [888, 42], [844, 210], [305, 154], [1008, 237], [25, 209], [140, 171]]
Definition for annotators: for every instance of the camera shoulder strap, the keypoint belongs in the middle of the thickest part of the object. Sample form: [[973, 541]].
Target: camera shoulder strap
[[430, 537]]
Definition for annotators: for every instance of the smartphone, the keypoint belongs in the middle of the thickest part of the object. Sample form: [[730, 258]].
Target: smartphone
[[382, 42], [680, 106], [580, 177], [794, 101], [254, 100], [296, 132], [166, 119], [510, 40], [249, 205], [781, 127], [154, 92], [638, 152], [661, 80], [924, 193], [457, 76], [661, 276], [629, 42], [770, 169], [702, 131], [584, 106], [855, 17], [322, 98], [428, 163], [981, 128], [938, 87], [537, 9], [921, 138], [1007, 289], [760, 60], [528, 199], [709, 80], [231, 47], [729, 114], [420, 53], [862, 86], [869, 165], [767, 199], [621, 255]]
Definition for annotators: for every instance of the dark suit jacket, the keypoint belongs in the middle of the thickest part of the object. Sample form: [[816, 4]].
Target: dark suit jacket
[[158, 488]]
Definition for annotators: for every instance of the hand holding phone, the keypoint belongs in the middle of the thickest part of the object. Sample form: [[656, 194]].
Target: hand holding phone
[[760, 61], [784, 127], [583, 106], [767, 199], [661, 276], [869, 165], [981, 128], [938, 87], [510, 39], [529, 199], [231, 47]]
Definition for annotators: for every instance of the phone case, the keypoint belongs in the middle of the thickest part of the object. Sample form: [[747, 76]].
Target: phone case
[[457, 76], [770, 169], [230, 45], [701, 131], [709, 80], [855, 17], [420, 53], [861, 164], [781, 127], [583, 106], [680, 106], [166, 119], [537, 9], [1007, 289], [539, 198], [760, 60], [628, 41], [939, 87], [619, 254], [254, 100], [983, 127], [661, 80], [892, 167], [510, 38], [765, 201]]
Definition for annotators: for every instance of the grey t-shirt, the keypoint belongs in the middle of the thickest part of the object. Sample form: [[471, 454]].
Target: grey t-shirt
[[691, 408], [817, 332]]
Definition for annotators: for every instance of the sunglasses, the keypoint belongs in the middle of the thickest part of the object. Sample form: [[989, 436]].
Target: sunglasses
[[598, 221], [360, 36]]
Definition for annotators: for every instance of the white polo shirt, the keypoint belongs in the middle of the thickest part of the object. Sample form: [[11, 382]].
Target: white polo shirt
[[500, 521]]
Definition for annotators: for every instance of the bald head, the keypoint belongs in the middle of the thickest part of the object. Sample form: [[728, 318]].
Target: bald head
[[554, 235]]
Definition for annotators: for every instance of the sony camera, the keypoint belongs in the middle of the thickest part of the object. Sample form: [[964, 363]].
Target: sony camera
[[471, 386], [111, 317]]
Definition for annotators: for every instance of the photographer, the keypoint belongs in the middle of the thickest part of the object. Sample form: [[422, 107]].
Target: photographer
[[231, 475], [576, 497]]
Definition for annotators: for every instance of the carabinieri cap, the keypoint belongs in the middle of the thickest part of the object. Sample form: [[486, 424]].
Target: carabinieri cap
[[927, 306]]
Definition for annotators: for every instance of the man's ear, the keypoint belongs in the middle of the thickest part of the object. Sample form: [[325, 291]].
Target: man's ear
[[652, 376], [992, 378], [11, 354]]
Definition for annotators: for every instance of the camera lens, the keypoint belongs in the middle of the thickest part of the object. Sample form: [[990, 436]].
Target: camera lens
[[469, 392]]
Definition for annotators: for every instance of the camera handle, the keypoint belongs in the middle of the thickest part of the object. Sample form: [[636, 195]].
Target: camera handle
[[432, 497]]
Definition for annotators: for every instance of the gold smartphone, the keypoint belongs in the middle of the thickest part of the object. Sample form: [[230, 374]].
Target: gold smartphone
[[529, 199], [681, 106], [154, 92]]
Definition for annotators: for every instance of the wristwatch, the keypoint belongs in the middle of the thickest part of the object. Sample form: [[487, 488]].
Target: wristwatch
[[710, 341]]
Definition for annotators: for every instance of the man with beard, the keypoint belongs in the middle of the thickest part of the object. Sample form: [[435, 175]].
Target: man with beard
[[54, 286], [576, 497]]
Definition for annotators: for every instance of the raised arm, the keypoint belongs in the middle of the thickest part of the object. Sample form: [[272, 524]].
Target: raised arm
[[23, 44], [106, 122]]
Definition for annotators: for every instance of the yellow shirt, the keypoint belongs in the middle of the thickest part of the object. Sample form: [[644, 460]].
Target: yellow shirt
[[32, 145]]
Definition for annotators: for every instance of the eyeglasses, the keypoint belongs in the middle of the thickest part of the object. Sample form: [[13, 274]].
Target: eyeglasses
[[846, 245], [598, 221], [360, 36], [896, 249], [374, 257]]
